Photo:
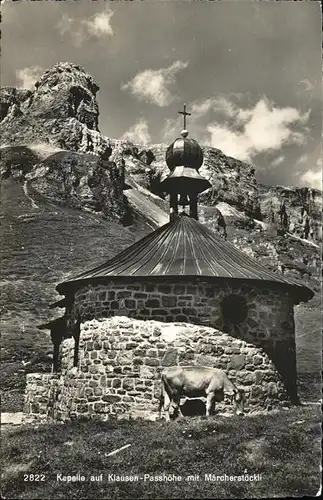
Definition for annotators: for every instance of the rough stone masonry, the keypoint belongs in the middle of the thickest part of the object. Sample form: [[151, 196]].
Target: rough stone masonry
[[120, 360]]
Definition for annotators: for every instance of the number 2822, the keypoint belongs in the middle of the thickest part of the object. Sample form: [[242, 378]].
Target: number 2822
[[34, 477]]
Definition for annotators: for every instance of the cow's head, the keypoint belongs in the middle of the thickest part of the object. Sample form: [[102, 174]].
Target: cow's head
[[239, 399]]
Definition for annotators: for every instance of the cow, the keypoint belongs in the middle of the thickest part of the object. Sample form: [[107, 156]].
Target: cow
[[196, 381]]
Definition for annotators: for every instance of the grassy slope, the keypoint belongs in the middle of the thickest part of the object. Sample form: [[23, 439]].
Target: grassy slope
[[40, 247], [283, 447]]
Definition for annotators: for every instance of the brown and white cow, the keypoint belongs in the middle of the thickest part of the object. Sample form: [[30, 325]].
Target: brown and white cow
[[193, 382]]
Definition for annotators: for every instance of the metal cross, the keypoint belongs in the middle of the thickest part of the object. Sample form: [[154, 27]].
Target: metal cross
[[185, 114]]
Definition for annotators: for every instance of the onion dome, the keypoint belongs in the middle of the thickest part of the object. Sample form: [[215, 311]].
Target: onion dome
[[184, 152], [184, 157]]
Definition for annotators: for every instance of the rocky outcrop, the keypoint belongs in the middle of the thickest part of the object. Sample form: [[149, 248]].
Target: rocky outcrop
[[293, 209], [12, 100], [81, 181], [62, 111]]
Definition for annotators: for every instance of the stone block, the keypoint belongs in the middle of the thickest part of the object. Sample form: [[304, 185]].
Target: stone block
[[34, 407], [124, 358], [116, 382], [169, 301], [162, 313], [152, 353], [100, 407], [82, 408], [181, 318], [89, 346], [186, 356], [124, 294], [146, 372], [128, 384], [259, 376], [257, 360], [152, 303], [139, 352], [130, 303], [140, 295], [131, 345], [111, 398], [189, 310], [170, 357], [151, 361], [237, 362]]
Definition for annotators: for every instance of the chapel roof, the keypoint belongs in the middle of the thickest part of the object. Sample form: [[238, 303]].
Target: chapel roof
[[185, 248]]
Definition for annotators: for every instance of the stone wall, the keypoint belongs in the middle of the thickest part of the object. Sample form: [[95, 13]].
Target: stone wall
[[120, 360], [269, 322], [270, 310]]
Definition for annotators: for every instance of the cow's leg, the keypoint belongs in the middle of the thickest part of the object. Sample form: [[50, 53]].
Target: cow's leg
[[210, 399], [167, 403], [176, 408]]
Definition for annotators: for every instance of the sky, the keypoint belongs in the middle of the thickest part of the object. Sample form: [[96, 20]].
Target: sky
[[249, 71]]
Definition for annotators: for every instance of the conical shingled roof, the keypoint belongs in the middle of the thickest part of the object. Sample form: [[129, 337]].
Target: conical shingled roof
[[184, 248]]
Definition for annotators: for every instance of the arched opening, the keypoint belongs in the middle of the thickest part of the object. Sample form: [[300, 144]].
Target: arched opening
[[234, 309]]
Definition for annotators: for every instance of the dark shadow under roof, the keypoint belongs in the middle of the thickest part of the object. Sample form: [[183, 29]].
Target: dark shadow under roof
[[184, 247]]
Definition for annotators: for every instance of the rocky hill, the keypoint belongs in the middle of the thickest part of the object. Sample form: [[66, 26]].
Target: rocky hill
[[72, 197]]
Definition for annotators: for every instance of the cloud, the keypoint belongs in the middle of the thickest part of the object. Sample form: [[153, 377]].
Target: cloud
[[100, 24], [313, 178], [138, 133], [26, 77], [96, 26], [277, 161], [246, 132], [302, 159], [153, 85], [220, 105]]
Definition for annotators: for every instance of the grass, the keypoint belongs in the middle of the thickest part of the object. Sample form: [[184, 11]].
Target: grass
[[283, 447]]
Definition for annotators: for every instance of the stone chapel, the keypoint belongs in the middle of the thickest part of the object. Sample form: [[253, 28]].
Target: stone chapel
[[181, 295]]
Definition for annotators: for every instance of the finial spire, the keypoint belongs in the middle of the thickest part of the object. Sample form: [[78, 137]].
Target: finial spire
[[185, 114]]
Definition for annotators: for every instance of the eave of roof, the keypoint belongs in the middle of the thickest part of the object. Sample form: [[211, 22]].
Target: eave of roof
[[184, 248]]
